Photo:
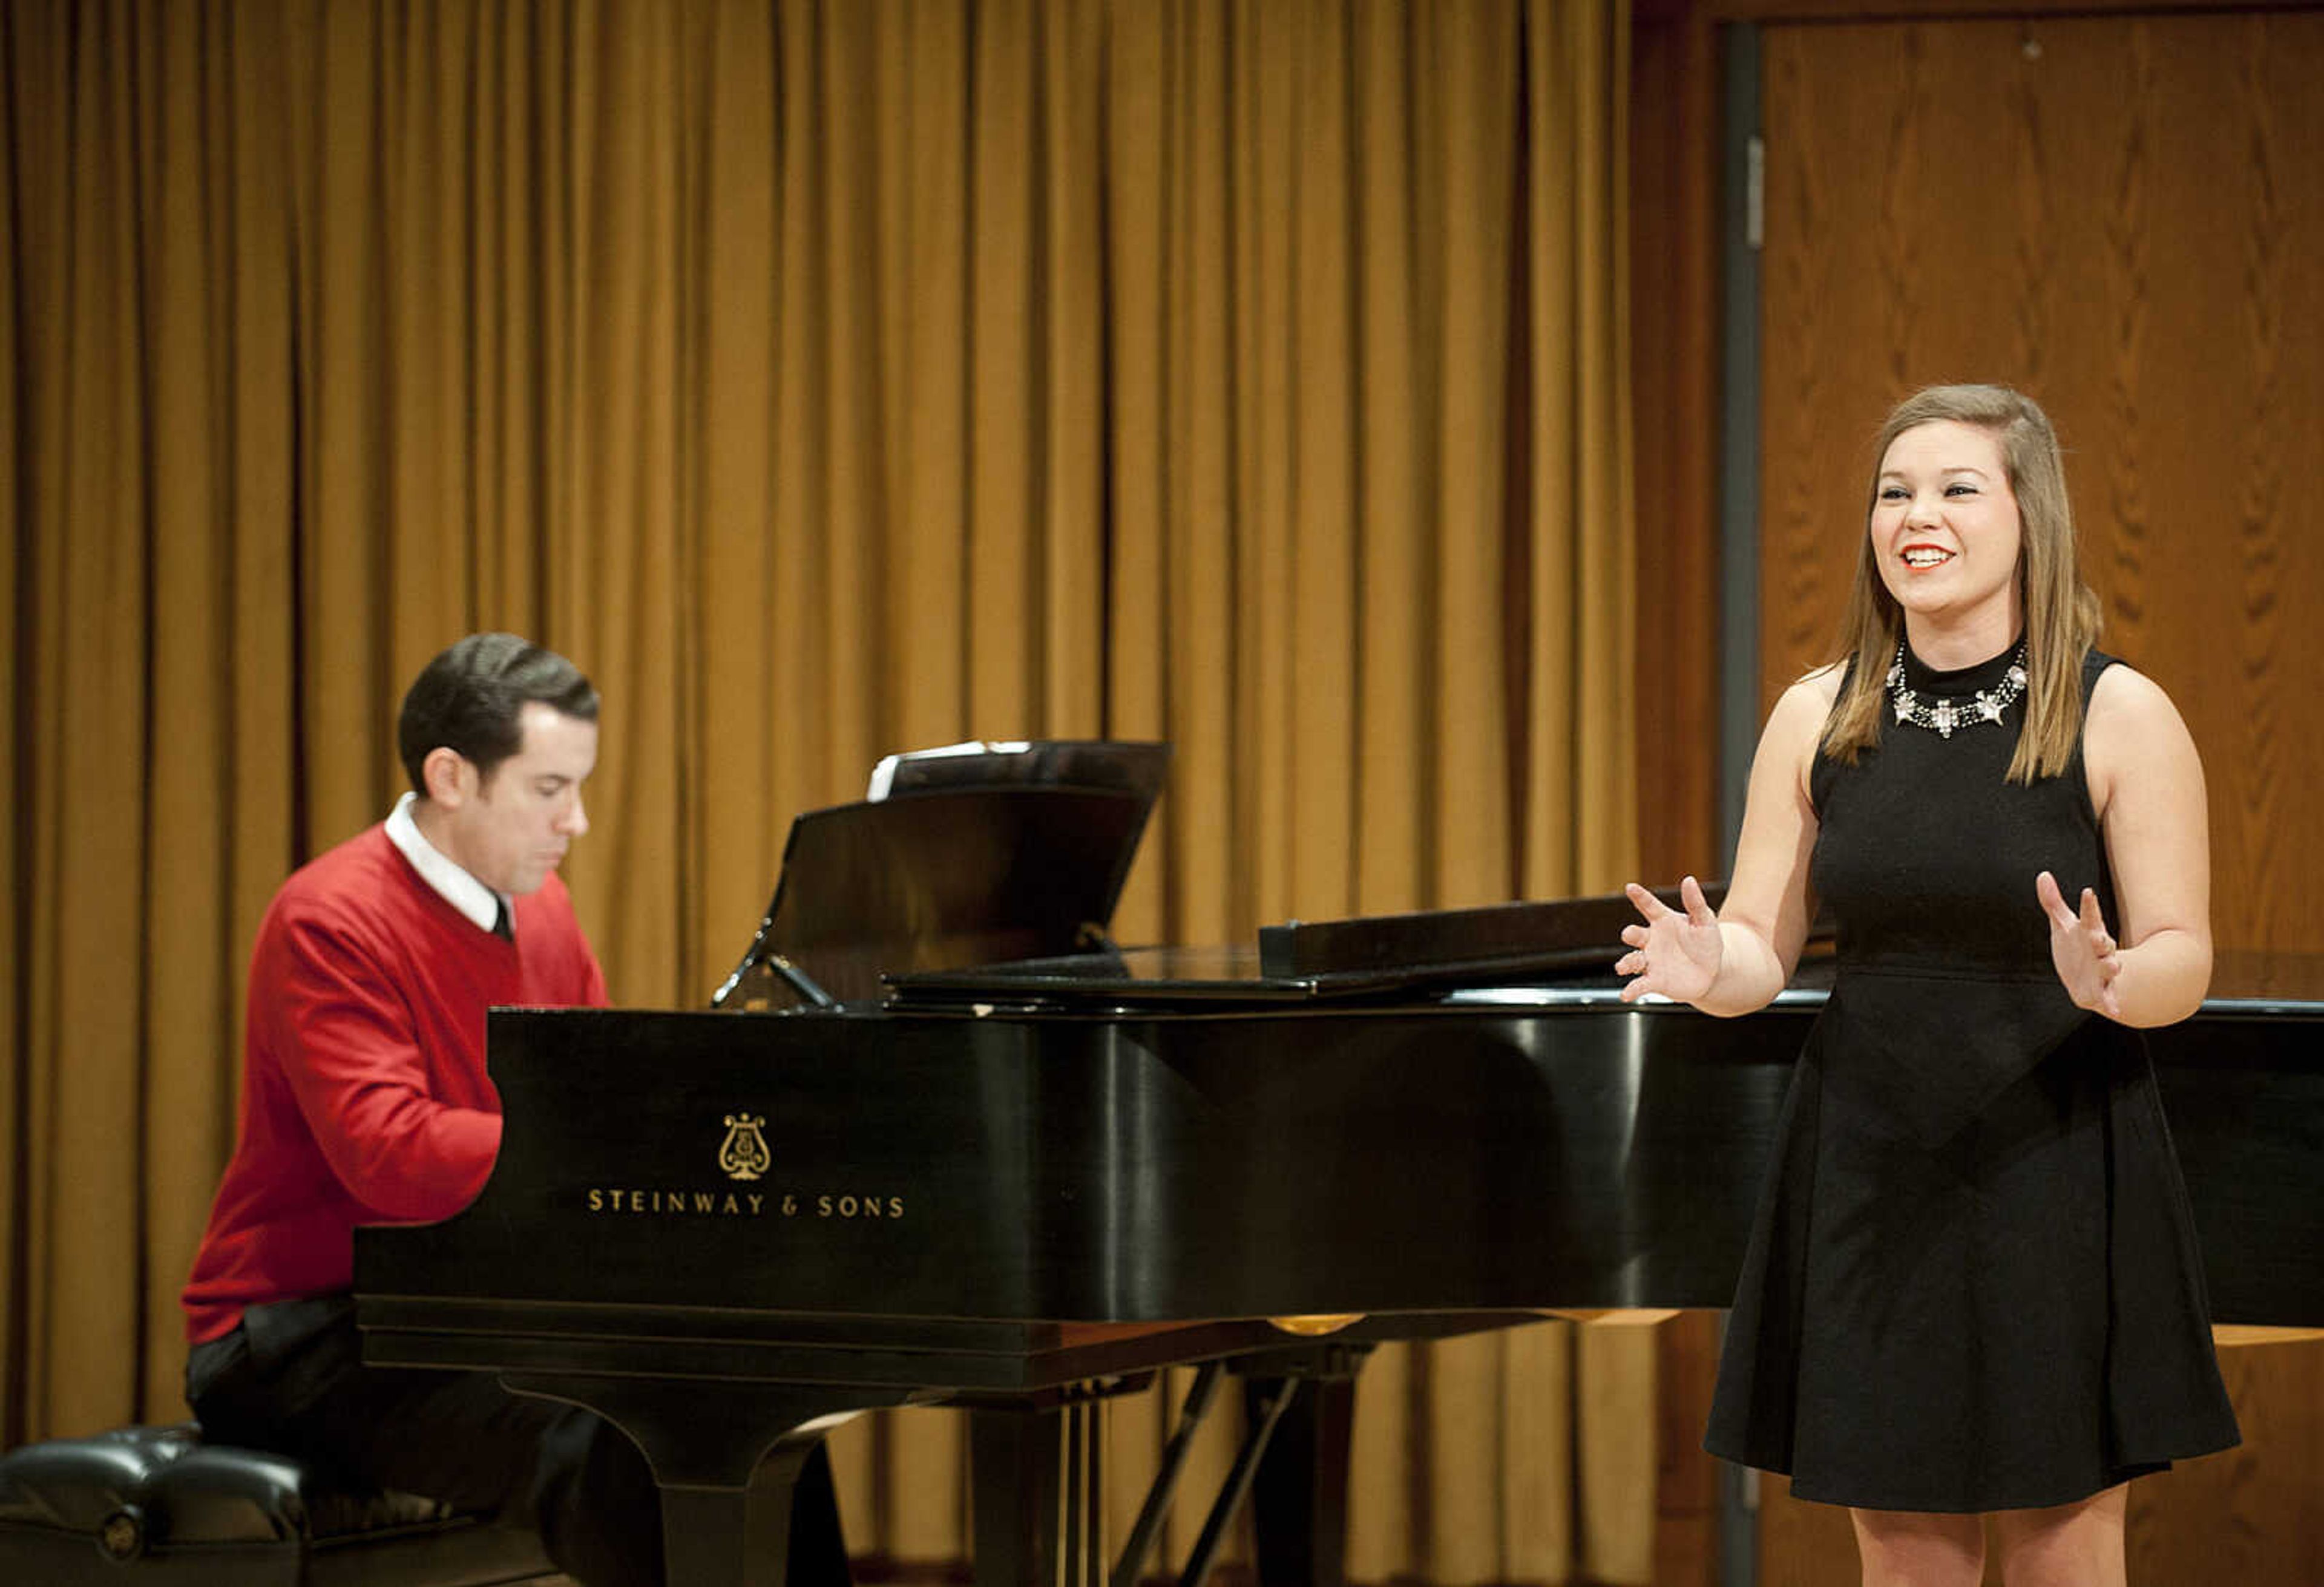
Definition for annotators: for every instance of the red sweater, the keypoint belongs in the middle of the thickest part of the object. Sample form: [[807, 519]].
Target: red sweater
[[365, 1099]]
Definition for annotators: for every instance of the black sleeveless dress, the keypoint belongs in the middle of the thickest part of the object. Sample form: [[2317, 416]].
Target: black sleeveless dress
[[1973, 1282]]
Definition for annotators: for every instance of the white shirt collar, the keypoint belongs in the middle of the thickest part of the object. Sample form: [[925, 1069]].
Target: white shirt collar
[[470, 896]]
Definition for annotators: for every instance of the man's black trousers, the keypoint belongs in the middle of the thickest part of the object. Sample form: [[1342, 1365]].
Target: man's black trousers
[[290, 1379]]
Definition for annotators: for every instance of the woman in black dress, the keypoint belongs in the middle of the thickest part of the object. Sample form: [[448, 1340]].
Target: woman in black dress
[[1972, 1290]]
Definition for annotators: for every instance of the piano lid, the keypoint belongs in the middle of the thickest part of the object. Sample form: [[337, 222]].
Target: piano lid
[[1573, 941], [971, 859], [2243, 986], [1496, 941]]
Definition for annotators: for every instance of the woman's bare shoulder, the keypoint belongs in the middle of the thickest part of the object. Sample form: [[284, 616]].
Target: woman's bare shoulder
[[1808, 699], [1822, 684], [2131, 720], [2126, 696], [2135, 738], [1796, 726]]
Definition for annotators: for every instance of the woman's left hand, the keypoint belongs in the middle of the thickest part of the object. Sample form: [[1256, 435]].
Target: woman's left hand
[[2087, 956]]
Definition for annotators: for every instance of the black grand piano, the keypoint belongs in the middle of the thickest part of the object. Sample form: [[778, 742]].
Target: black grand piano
[[990, 1160]]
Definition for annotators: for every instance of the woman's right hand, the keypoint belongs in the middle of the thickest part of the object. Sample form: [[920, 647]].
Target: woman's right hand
[[1674, 955]]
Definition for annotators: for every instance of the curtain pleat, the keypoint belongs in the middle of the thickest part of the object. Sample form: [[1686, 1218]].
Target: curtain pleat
[[827, 379], [86, 794]]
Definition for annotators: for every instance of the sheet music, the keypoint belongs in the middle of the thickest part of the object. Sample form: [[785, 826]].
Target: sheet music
[[883, 776]]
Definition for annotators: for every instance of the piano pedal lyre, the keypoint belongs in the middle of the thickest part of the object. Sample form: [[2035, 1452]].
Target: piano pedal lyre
[[1039, 1469], [1082, 1558]]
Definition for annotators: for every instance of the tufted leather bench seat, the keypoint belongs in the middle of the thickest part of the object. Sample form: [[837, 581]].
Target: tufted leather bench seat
[[156, 1507]]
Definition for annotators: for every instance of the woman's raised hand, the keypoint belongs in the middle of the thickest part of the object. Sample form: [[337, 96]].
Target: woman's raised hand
[[2087, 956], [1673, 955]]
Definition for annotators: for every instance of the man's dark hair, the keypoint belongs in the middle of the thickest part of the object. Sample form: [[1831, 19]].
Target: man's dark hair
[[468, 700]]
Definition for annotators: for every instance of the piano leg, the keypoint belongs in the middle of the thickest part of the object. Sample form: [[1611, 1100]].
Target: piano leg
[[729, 1538], [726, 1456], [1299, 1499]]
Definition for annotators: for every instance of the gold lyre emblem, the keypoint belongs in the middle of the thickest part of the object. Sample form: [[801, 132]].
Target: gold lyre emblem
[[743, 1153]]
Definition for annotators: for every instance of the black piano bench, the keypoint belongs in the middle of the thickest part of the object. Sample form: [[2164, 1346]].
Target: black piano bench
[[156, 1507]]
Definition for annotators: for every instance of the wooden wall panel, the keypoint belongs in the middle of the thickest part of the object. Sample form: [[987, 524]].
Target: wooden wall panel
[[2122, 220], [2248, 1516], [2120, 214]]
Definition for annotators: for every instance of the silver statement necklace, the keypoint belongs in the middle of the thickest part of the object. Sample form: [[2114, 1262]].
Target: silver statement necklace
[[1942, 716]]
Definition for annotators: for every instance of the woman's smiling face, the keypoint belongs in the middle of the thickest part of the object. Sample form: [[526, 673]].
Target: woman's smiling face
[[1945, 531]]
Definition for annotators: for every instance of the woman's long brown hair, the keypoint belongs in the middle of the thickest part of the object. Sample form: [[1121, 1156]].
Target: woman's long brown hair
[[2062, 617]]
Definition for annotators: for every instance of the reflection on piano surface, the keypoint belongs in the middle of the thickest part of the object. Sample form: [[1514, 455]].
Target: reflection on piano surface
[[1014, 1186]]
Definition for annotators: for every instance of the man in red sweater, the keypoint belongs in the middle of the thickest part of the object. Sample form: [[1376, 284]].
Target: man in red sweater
[[365, 1100]]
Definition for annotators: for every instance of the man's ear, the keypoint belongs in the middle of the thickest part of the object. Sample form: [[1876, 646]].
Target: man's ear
[[449, 776]]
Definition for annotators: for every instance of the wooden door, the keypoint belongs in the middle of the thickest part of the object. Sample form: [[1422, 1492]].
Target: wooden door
[[2122, 216]]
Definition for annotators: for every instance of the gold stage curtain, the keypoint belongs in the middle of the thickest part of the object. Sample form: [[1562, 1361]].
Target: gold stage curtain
[[826, 379]]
